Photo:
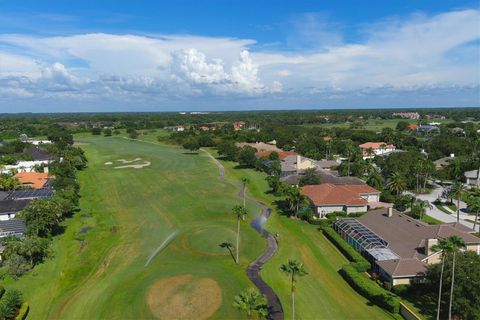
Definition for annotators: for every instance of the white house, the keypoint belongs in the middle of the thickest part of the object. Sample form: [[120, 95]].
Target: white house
[[371, 149]]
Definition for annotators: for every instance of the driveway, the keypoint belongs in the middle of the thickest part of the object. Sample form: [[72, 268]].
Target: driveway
[[442, 216]]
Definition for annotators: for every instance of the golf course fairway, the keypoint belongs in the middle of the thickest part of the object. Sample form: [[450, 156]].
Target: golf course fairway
[[145, 244]]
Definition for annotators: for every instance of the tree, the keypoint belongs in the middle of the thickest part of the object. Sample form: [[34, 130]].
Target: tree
[[244, 183], [375, 180], [191, 144], [108, 132], [133, 134], [240, 213], [42, 217], [96, 131], [457, 190], [474, 206], [9, 304], [402, 125], [396, 183], [274, 183], [294, 269], [455, 244], [419, 207], [251, 301], [247, 157], [228, 245], [295, 200], [310, 177]]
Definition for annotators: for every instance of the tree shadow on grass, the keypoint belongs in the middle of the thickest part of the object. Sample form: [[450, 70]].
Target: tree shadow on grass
[[191, 153]]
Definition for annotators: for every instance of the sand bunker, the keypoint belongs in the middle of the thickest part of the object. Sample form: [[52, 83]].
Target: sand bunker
[[184, 297], [129, 161], [135, 166], [108, 163]]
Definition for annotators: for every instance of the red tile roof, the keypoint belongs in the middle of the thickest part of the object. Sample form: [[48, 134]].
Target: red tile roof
[[281, 154], [330, 194], [376, 145], [36, 180]]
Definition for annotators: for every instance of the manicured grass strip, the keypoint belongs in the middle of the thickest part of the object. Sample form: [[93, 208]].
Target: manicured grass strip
[[441, 208], [430, 220]]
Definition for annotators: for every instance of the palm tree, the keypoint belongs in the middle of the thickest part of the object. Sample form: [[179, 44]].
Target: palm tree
[[443, 246], [375, 180], [456, 244], [296, 200], [244, 182], [349, 150], [252, 301], [421, 206], [228, 245], [457, 190], [474, 206], [396, 183], [293, 268], [240, 212]]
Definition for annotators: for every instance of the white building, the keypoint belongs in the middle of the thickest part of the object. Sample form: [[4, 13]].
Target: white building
[[371, 149]]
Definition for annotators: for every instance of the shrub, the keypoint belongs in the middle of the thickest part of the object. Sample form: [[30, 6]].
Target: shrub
[[370, 289], [23, 312], [360, 263], [400, 289], [2, 291]]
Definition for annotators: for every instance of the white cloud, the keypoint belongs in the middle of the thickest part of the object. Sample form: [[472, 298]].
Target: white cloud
[[418, 52]]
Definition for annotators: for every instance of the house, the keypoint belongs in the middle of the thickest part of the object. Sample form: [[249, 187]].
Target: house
[[371, 149], [281, 154], [398, 246], [34, 180], [427, 128], [204, 128], [40, 158], [443, 162], [407, 115], [326, 176], [239, 125], [38, 142], [30, 194], [13, 227], [178, 128], [472, 177], [457, 131], [412, 127], [327, 198], [9, 208]]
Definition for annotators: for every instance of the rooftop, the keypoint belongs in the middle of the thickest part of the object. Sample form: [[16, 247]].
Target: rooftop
[[376, 145], [330, 194], [12, 206], [36, 180], [39, 154], [12, 227], [30, 194]]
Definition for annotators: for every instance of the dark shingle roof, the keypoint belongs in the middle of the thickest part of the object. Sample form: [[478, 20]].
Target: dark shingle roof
[[12, 227], [30, 194], [40, 154], [12, 206]]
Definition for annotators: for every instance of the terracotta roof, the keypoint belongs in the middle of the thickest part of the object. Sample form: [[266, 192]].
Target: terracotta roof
[[376, 145], [412, 126], [281, 154], [36, 180], [330, 194]]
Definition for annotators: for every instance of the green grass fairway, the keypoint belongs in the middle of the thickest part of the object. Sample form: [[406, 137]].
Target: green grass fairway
[[323, 294], [102, 273]]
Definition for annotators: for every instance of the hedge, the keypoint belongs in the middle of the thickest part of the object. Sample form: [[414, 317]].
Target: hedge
[[2, 291], [370, 289], [23, 312], [359, 262]]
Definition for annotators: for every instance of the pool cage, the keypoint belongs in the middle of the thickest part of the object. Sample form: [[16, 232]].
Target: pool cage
[[364, 240]]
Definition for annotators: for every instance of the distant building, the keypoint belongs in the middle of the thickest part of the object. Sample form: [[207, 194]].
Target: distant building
[[472, 177], [407, 115], [427, 128], [239, 125], [371, 149], [179, 128], [412, 127], [204, 128], [400, 247]]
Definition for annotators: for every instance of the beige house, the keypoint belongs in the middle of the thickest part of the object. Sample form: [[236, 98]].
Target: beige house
[[327, 198], [400, 247]]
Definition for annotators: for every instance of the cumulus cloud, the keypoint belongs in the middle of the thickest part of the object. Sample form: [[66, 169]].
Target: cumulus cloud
[[411, 55]]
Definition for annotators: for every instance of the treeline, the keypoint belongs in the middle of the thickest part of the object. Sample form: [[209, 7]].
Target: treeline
[[43, 217]]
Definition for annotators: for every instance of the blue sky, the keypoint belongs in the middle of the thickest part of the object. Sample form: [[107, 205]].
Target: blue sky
[[232, 55]]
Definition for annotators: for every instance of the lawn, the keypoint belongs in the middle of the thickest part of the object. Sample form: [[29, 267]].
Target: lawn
[[322, 294], [102, 274]]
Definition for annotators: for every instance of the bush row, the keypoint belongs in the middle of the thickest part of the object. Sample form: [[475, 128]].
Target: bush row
[[23, 312], [358, 261], [2, 291], [369, 289]]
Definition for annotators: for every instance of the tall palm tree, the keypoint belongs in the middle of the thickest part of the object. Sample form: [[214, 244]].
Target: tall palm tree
[[456, 244], [396, 183], [474, 206], [375, 180], [296, 200], [240, 212], [443, 246], [251, 301], [457, 190], [294, 269], [349, 150], [244, 182]]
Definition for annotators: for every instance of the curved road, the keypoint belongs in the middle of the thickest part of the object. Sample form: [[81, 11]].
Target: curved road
[[253, 271]]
